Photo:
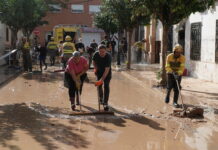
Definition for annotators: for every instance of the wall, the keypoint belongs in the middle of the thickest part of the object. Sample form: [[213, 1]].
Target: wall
[[2, 41], [206, 68], [65, 16]]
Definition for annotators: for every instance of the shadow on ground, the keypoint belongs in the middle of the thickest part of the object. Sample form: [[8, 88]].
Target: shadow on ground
[[120, 121], [20, 117], [116, 120]]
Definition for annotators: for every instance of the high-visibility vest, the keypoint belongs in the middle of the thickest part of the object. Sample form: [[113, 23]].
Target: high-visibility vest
[[52, 45], [26, 46], [175, 64], [68, 48], [140, 45]]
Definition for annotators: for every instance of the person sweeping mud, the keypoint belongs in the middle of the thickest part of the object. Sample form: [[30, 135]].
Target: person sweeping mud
[[75, 75], [175, 65], [102, 69]]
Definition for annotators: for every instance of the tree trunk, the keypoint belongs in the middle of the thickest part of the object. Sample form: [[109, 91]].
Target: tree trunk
[[129, 48], [118, 51], [13, 38], [163, 52]]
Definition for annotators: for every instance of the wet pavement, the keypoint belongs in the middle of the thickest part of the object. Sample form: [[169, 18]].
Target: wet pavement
[[35, 114]]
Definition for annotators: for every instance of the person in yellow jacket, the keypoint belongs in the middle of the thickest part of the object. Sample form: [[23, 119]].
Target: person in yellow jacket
[[175, 65], [140, 47], [67, 49], [52, 49], [27, 60]]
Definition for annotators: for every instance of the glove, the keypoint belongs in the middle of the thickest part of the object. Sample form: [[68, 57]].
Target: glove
[[99, 83], [78, 84]]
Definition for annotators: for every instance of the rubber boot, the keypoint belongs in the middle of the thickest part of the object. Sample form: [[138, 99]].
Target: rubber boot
[[167, 98], [175, 99]]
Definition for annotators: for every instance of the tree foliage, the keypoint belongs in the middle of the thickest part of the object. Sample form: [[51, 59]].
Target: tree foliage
[[24, 15], [127, 18], [105, 21], [171, 12]]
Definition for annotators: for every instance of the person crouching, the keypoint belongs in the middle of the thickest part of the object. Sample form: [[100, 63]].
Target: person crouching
[[75, 74]]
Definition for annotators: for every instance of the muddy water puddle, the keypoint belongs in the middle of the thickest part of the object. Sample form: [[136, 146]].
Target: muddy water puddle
[[43, 120]]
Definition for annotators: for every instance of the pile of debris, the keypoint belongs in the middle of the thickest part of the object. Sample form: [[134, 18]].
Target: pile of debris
[[190, 112]]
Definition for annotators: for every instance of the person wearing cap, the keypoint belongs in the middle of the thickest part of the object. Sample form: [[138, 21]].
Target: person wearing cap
[[75, 74], [175, 65], [140, 47], [102, 69], [67, 49]]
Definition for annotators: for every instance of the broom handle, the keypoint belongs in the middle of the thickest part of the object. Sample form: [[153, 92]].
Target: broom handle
[[79, 96], [177, 83], [80, 104], [98, 99]]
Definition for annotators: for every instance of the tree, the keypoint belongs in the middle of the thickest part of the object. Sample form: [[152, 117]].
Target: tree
[[36, 15], [171, 12], [106, 22], [23, 14], [123, 11]]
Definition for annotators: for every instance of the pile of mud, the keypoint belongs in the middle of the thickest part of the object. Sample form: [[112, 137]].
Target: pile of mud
[[189, 112]]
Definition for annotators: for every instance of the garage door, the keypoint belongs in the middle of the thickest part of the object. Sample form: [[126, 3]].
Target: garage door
[[88, 37]]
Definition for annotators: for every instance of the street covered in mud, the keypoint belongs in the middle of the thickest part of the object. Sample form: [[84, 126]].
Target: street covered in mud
[[35, 114]]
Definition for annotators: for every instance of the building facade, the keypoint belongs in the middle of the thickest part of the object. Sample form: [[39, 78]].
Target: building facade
[[198, 34], [79, 13]]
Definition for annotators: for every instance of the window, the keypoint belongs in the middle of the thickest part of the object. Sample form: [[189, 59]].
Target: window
[[55, 8], [77, 8], [216, 45], [94, 8], [195, 41], [7, 34]]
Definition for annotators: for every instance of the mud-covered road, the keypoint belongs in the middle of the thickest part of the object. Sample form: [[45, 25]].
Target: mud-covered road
[[35, 114]]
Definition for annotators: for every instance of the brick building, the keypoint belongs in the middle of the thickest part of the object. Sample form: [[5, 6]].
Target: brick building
[[79, 13]]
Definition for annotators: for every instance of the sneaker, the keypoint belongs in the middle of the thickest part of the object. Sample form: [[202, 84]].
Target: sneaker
[[176, 105], [106, 108], [167, 99]]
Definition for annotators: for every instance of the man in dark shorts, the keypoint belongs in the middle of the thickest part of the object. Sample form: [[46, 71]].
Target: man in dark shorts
[[102, 69]]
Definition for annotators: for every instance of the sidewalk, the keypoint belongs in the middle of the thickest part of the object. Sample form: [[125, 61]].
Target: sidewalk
[[8, 73], [194, 91]]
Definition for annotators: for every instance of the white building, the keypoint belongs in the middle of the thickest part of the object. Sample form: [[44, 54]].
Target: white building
[[199, 36]]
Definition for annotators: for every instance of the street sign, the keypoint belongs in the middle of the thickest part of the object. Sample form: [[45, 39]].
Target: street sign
[[36, 32]]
